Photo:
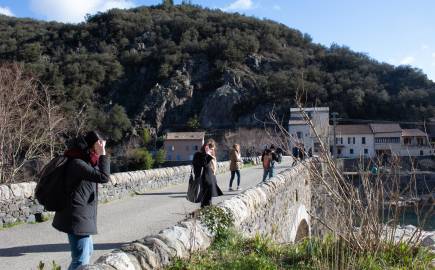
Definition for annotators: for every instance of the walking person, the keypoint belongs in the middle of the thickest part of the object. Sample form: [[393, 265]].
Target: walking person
[[235, 165], [205, 166], [295, 152], [274, 160], [88, 165], [266, 159]]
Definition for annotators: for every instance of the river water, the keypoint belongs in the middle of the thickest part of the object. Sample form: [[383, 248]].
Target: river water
[[408, 216]]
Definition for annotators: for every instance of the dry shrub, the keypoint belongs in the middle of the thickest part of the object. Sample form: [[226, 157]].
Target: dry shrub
[[29, 122], [360, 212]]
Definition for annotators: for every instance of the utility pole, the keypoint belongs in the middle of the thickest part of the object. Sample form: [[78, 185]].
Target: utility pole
[[334, 122]]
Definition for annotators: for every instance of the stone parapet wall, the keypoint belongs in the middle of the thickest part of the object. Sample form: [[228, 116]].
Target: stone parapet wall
[[17, 202], [276, 208]]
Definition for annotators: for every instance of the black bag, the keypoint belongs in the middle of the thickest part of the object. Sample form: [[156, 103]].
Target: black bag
[[51, 190], [194, 189]]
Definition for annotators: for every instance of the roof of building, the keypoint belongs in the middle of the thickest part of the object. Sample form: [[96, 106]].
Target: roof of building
[[297, 122], [353, 129], [311, 109], [385, 128], [413, 133], [185, 135]]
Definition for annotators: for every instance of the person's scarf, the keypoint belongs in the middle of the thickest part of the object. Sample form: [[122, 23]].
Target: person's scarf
[[92, 158]]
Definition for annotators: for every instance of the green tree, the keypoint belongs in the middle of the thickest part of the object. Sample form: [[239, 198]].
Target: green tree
[[117, 122], [193, 123], [142, 159], [168, 3], [146, 136], [160, 157]]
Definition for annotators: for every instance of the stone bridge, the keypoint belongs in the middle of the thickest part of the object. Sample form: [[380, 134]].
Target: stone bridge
[[278, 209]]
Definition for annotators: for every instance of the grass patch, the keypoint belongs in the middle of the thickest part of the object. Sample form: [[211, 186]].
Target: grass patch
[[249, 165], [232, 251], [10, 225]]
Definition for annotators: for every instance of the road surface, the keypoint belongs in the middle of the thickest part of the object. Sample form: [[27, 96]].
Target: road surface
[[120, 221]]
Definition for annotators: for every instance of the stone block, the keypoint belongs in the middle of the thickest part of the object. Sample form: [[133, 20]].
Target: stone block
[[117, 259], [9, 219], [31, 219], [5, 193], [25, 210], [17, 191], [28, 189], [429, 241], [164, 252], [145, 256], [101, 266], [171, 240], [199, 237]]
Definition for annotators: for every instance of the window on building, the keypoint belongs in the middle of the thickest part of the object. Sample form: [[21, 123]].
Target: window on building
[[366, 151], [339, 151], [387, 140], [363, 140], [420, 141], [351, 151], [299, 135], [407, 141], [341, 140], [421, 152], [353, 140], [178, 157], [170, 148], [348, 140], [169, 157], [195, 147]]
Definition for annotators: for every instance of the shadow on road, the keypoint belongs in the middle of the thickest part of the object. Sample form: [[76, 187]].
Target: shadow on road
[[161, 193], [20, 251]]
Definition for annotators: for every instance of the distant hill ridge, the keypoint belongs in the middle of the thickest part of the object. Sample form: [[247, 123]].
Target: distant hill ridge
[[163, 65]]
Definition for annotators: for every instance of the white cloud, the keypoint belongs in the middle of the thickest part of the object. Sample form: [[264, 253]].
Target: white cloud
[[240, 5], [6, 11], [407, 60], [433, 54], [74, 11], [276, 7], [424, 46]]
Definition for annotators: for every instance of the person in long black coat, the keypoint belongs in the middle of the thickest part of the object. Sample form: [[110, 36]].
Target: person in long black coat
[[88, 166], [205, 166]]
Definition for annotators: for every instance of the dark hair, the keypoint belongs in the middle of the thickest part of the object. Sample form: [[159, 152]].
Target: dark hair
[[91, 138]]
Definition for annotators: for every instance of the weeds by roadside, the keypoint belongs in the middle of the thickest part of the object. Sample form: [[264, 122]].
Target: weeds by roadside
[[232, 251]]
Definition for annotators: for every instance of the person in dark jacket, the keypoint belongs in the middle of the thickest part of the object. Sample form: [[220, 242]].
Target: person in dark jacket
[[205, 166], [88, 166]]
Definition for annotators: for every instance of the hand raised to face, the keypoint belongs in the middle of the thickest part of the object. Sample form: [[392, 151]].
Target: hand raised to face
[[100, 147]]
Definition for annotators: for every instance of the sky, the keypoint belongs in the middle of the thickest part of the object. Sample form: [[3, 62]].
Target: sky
[[399, 32]]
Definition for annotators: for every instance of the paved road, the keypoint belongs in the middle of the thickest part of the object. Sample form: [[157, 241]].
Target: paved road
[[121, 221]]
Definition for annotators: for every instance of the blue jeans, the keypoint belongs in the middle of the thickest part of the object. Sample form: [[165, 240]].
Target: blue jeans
[[81, 250], [233, 173], [268, 172]]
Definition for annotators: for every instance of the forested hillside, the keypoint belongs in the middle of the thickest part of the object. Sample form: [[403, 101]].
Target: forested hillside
[[165, 64]]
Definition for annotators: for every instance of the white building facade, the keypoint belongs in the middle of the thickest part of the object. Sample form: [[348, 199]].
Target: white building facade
[[354, 141], [302, 135], [388, 139], [415, 143]]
